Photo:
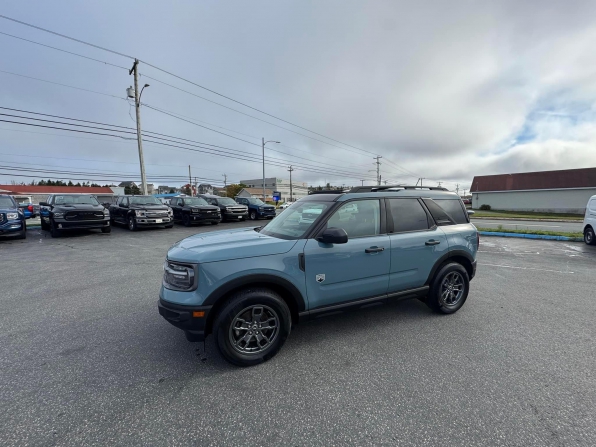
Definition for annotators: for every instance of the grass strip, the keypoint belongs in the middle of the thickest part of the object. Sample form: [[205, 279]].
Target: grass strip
[[572, 234], [526, 215]]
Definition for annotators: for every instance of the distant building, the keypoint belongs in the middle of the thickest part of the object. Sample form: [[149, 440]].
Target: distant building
[[40, 193], [565, 191], [150, 188], [128, 184], [205, 188], [299, 189], [222, 192], [162, 189], [256, 193]]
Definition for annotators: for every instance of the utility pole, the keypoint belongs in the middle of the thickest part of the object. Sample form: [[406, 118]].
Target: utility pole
[[439, 184], [225, 181], [137, 97], [263, 146], [457, 188], [378, 163], [290, 169], [362, 182], [189, 181]]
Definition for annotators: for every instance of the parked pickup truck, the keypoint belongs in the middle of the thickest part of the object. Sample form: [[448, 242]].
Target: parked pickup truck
[[63, 212], [191, 210], [230, 210], [257, 209], [12, 219], [141, 211]]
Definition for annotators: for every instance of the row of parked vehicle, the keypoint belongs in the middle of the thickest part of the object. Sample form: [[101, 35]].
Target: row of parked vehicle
[[62, 212]]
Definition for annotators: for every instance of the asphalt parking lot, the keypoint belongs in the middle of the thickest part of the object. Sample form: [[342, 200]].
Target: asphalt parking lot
[[85, 359]]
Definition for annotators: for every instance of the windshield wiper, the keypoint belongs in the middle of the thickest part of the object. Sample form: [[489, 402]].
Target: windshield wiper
[[258, 229]]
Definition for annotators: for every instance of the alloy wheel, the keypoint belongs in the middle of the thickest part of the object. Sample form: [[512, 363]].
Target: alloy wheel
[[254, 329], [452, 289]]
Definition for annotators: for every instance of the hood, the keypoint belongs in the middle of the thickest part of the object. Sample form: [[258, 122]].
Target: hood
[[226, 245], [203, 207], [138, 206], [78, 207]]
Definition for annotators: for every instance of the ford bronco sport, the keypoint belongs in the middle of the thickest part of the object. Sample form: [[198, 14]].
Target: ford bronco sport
[[325, 253]]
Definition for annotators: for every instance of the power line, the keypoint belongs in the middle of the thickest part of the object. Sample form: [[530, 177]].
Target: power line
[[182, 79]]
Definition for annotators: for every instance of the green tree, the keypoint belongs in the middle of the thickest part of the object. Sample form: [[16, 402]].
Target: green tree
[[135, 190], [127, 190], [70, 183], [233, 189], [172, 191]]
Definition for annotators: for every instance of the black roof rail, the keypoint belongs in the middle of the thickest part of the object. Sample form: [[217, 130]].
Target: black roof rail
[[376, 188], [327, 191]]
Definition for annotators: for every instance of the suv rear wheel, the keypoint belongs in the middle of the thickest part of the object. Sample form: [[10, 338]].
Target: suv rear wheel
[[589, 237], [252, 327], [449, 289]]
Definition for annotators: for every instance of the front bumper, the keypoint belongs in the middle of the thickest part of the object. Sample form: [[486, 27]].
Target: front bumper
[[11, 227], [153, 221], [235, 216], [266, 213], [198, 218], [64, 224], [182, 318]]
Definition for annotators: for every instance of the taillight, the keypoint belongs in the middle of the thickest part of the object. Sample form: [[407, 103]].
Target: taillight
[[30, 208]]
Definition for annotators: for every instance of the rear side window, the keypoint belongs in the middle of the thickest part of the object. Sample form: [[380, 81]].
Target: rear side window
[[438, 213], [454, 209], [408, 215]]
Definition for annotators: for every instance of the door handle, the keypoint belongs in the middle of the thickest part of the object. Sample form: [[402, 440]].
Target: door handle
[[374, 249], [432, 242]]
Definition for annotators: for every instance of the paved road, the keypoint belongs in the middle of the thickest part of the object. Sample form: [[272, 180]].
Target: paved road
[[532, 225], [86, 360]]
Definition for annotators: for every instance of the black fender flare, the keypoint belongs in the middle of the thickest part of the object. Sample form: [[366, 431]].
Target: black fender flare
[[446, 257], [262, 279]]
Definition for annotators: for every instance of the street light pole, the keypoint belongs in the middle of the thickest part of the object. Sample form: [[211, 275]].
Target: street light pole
[[263, 147], [291, 169], [137, 97]]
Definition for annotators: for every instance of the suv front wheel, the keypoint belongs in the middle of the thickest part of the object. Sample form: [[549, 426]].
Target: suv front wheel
[[252, 327], [589, 237], [449, 289]]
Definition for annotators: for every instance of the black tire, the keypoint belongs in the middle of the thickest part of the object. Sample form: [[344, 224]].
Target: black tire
[[186, 219], [253, 215], [54, 231], [242, 303], [132, 223], [44, 226], [589, 237], [23, 234], [440, 294], [106, 230]]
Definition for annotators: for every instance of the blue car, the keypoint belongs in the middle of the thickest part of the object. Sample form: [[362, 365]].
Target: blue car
[[12, 219], [325, 254]]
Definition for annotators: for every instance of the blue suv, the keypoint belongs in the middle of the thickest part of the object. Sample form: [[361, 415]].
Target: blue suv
[[325, 253], [12, 219]]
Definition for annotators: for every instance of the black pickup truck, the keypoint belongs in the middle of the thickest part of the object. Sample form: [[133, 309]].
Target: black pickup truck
[[190, 210], [141, 211], [61, 212]]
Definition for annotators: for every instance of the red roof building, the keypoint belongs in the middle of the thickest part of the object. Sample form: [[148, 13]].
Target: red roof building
[[564, 191]]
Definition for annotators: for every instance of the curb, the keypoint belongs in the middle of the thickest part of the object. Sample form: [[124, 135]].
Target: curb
[[528, 219], [531, 236]]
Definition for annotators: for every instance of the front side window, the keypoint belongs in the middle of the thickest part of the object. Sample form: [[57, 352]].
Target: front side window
[[257, 202], [407, 215], [295, 222], [359, 218], [227, 201], [6, 202], [75, 200]]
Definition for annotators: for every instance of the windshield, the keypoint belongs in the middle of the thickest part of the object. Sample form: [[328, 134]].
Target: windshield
[[75, 200], [294, 222], [6, 202], [227, 201], [144, 200], [255, 202], [195, 201]]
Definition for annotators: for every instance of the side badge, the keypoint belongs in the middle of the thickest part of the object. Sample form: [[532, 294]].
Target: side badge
[[320, 278]]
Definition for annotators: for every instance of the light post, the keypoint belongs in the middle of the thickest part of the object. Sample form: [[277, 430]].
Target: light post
[[264, 143], [134, 93]]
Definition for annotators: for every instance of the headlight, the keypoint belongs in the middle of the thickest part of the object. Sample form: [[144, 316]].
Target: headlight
[[106, 212], [140, 213], [59, 215], [261, 208], [178, 276], [170, 212], [195, 210], [12, 216]]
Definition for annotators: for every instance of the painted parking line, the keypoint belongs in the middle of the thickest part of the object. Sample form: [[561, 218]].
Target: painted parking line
[[525, 268]]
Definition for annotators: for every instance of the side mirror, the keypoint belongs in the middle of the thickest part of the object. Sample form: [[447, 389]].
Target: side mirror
[[123, 205], [470, 212], [44, 204], [333, 236]]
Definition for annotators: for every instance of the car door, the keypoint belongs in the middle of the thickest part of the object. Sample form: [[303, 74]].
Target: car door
[[358, 269], [123, 210], [417, 243]]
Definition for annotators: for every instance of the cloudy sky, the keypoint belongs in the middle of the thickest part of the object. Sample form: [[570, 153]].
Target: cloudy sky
[[441, 90]]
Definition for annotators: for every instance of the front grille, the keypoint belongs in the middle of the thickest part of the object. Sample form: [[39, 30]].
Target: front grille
[[152, 214], [83, 215], [237, 210]]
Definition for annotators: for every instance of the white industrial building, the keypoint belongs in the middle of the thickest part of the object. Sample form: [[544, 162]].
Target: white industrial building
[[565, 191], [299, 189]]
